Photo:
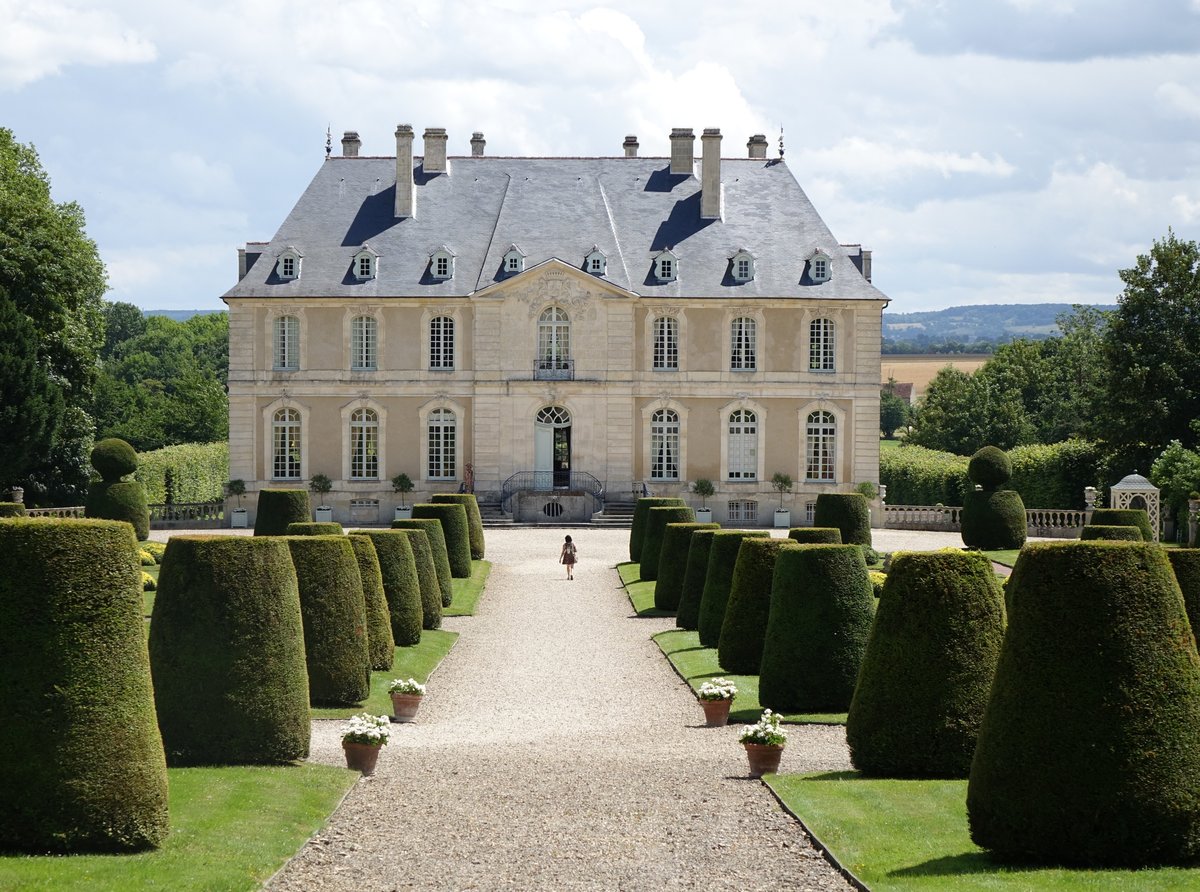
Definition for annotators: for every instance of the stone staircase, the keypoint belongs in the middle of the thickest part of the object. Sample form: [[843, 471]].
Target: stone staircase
[[617, 513], [492, 516]]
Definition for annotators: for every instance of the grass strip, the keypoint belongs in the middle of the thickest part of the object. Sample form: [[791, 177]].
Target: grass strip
[[231, 829], [468, 591], [696, 665], [417, 662], [641, 594], [912, 835], [1006, 556]]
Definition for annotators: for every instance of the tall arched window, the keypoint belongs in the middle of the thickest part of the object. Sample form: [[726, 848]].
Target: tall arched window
[[820, 442], [742, 334], [666, 343], [743, 445], [285, 445], [554, 339], [820, 345], [441, 342], [287, 343], [664, 445], [364, 343], [443, 433], [364, 445]]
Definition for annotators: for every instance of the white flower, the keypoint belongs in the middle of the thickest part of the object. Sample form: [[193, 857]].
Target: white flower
[[367, 728], [406, 686]]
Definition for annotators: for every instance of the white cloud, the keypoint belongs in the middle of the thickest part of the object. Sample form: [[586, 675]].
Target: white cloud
[[1178, 98], [859, 157]]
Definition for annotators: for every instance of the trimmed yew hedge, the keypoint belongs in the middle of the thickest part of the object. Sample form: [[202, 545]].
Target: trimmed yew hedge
[[227, 653], [637, 530], [673, 562], [474, 518], [120, 500], [849, 512], [1114, 533], [198, 472], [279, 507], [401, 585], [740, 645], [431, 592], [113, 458], [822, 605], [381, 644], [437, 544], [454, 528], [82, 765], [816, 535], [657, 519], [335, 619], [1186, 564], [310, 528], [928, 667], [722, 558], [1124, 517], [687, 614], [1088, 753], [993, 520], [12, 509]]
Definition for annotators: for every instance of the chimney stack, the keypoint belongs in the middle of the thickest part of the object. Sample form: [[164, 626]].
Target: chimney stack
[[683, 151], [406, 196], [631, 146], [435, 150], [757, 146], [477, 144], [350, 144], [710, 173]]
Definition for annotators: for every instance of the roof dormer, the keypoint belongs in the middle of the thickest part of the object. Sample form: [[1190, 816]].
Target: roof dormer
[[666, 266], [741, 265], [514, 261], [441, 263], [287, 267], [819, 266], [366, 263], [596, 262]]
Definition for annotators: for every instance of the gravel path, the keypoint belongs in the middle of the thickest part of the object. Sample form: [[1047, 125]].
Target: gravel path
[[557, 749]]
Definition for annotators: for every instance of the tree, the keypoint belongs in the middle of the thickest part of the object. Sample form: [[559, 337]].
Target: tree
[[122, 322], [960, 413], [893, 410], [31, 405]]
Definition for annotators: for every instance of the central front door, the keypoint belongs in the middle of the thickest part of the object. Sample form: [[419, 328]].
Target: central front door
[[552, 448], [543, 456], [562, 457]]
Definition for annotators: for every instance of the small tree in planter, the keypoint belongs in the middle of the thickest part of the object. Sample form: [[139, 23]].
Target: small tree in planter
[[704, 489], [321, 485], [237, 489], [782, 483], [402, 485]]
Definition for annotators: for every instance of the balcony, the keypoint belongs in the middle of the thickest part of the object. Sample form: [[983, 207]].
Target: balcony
[[553, 369]]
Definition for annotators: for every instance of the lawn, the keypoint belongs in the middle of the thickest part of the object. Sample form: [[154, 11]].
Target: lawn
[[231, 828], [468, 591], [641, 594], [912, 835], [1007, 556]]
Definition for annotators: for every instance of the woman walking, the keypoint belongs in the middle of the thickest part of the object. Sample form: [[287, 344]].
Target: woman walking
[[568, 557]]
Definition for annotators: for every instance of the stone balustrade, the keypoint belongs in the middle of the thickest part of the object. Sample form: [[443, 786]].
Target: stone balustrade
[[1047, 522]]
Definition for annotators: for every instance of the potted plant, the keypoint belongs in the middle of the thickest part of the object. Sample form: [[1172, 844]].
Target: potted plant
[[703, 488], [782, 483], [362, 739], [406, 694], [764, 742], [321, 485], [237, 489], [403, 485], [716, 697]]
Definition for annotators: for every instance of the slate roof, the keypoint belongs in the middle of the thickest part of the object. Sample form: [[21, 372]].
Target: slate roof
[[630, 208]]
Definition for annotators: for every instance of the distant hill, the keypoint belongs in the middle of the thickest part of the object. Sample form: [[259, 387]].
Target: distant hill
[[972, 328], [180, 315]]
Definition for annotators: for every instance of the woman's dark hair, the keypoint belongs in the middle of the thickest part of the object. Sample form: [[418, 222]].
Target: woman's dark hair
[[568, 539]]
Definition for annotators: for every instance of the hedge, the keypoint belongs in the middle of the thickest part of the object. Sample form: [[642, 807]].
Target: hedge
[[227, 653], [1124, 517], [657, 519], [637, 529], [687, 614], [310, 528], [120, 500], [816, 535], [740, 644], [673, 562], [822, 605], [437, 543], [431, 592], [1186, 564], [335, 619], [1115, 533], [381, 644], [279, 507], [928, 667], [113, 458], [474, 518], [1088, 754], [993, 520], [722, 558], [849, 512], [401, 585], [456, 531], [83, 766], [12, 509], [914, 475], [197, 472]]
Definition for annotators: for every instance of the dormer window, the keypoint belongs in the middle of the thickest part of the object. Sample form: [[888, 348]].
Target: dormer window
[[441, 264], [666, 267], [818, 268], [288, 267], [596, 262], [514, 260], [366, 264], [743, 266]]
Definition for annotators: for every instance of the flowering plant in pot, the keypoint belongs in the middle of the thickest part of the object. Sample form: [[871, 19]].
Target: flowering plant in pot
[[406, 694], [362, 738], [764, 742], [716, 696]]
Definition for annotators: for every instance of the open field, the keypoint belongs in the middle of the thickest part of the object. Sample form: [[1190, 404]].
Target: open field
[[919, 369]]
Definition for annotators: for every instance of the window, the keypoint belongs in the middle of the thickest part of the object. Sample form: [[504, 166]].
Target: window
[[365, 266], [514, 260], [364, 340], [820, 267], [441, 342], [820, 345], [743, 266], [742, 511], [364, 445], [287, 343], [443, 432], [666, 270], [514, 263], [442, 264], [743, 445], [554, 339], [666, 343], [595, 262], [742, 357], [288, 268], [664, 445], [820, 437], [285, 448]]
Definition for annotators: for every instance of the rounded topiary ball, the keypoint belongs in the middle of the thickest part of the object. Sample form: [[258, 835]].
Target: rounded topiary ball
[[687, 614], [113, 459], [119, 500], [990, 467]]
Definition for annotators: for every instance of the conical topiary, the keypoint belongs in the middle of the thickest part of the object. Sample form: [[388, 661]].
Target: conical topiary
[[687, 615], [317, 528], [740, 644], [928, 666], [454, 528], [637, 529], [722, 557], [474, 518], [992, 518], [401, 584], [1124, 517], [279, 507], [431, 592], [1186, 564], [822, 605], [816, 535], [1089, 753], [656, 523], [437, 545], [1111, 533], [673, 562], [848, 512], [381, 644]]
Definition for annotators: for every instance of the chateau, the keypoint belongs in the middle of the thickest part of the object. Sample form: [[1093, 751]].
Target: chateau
[[552, 333]]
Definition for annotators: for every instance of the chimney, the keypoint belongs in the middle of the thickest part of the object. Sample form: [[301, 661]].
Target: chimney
[[683, 143], [242, 266], [710, 173], [757, 146], [435, 150], [350, 144], [406, 196], [631, 146], [477, 144]]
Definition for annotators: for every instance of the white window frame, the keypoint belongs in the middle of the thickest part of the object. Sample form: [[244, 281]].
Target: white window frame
[[267, 416], [424, 414], [666, 267], [741, 511], [820, 460], [441, 264], [444, 455], [648, 437], [366, 265], [822, 345], [289, 258], [285, 342], [596, 263], [364, 456], [441, 334], [364, 342], [743, 344], [724, 422], [820, 267], [664, 346], [514, 260], [738, 261], [741, 435], [553, 336]]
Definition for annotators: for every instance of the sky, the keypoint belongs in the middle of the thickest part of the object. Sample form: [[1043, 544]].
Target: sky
[[995, 151]]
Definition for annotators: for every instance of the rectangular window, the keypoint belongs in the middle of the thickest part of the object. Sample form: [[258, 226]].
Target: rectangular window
[[441, 267], [665, 269], [820, 345], [363, 343], [742, 511], [287, 343], [596, 264], [289, 267], [820, 269], [364, 267], [810, 513], [441, 343], [666, 343], [442, 434], [743, 446], [820, 455], [286, 451], [742, 356], [664, 446], [743, 269], [364, 449]]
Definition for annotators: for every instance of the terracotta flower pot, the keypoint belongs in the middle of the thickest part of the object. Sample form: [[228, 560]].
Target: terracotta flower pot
[[716, 712], [405, 706], [764, 758], [361, 756]]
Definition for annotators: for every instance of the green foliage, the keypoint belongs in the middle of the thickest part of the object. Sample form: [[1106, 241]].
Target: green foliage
[[1088, 752], [310, 528], [156, 549], [31, 403], [227, 653], [673, 562], [718, 579], [114, 459], [1113, 533], [456, 532], [822, 605], [687, 615], [993, 520], [816, 535], [1186, 564], [918, 476], [894, 411], [1124, 517], [782, 484], [145, 558], [321, 484], [1176, 472], [197, 473], [427, 578], [989, 468], [83, 766], [401, 584], [437, 544], [123, 500], [381, 645], [656, 524], [637, 530], [279, 507], [12, 509], [335, 619], [704, 489], [744, 626], [474, 518], [959, 411], [930, 658], [848, 512]]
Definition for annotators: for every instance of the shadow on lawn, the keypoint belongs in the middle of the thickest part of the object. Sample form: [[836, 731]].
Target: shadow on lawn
[[962, 865]]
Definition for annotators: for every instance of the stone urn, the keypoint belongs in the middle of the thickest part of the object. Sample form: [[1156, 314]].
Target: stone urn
[[405, 706], [764, 758], [716, 712], [361, 756]]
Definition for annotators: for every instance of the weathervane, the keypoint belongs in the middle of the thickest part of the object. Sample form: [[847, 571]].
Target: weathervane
[[328, 141], [781, 142]]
